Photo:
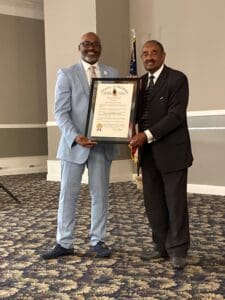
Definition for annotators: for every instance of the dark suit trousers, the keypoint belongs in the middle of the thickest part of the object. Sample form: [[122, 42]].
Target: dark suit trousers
[[165, 197]]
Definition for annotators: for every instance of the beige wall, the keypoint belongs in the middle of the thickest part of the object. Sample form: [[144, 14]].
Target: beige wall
[[183, 27], [191, 31], [17, 142], [193, 35], [114, 30], [115, 42], [209, 162], [65, 22], [22, 72], [113, 26], [23, 87]]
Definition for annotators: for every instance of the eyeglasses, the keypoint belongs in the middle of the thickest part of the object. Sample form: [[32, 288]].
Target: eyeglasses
[[87, 44]]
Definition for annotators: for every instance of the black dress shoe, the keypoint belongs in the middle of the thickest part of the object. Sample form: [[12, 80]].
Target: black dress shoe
[[154, 254], [57, 251], [179, 262]]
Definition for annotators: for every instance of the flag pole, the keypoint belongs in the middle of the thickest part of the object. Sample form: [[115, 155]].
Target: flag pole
[[133, 72], [133, 56]]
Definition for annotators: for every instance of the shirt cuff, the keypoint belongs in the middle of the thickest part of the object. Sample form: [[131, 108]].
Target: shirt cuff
[[149, 136]]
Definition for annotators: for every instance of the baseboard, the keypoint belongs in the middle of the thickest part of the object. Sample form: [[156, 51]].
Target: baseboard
[[121, 171], [54, 169], [206, 189], [23, 165], [192, 188]]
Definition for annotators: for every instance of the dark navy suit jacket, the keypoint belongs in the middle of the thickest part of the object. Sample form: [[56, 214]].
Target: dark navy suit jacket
[[171, 148]]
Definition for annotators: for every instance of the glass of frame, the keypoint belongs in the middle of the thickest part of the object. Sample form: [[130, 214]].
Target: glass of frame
[[112, 109]]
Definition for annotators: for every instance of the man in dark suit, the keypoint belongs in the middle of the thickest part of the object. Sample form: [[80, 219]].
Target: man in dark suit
[[164, 154]]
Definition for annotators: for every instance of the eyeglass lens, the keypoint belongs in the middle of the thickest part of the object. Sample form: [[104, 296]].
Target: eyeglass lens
[[87, 44]]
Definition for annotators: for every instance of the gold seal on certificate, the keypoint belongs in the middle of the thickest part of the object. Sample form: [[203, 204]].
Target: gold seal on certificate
[[112, 109]]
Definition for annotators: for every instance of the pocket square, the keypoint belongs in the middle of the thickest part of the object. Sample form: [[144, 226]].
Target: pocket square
[[161, 98]]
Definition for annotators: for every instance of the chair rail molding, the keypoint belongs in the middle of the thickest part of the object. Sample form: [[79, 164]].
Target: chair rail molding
[[206, 113], [25, 125]]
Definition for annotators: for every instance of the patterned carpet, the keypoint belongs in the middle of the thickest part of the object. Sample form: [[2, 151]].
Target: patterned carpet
[[28, 229]]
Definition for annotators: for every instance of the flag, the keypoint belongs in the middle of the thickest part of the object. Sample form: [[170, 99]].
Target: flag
[[133, 72], [134, 154], [133, 56]]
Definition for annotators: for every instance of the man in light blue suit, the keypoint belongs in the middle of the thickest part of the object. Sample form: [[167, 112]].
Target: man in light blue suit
[[77, 151]]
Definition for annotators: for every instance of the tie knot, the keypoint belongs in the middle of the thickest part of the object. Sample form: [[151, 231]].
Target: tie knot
[[92, 68], [151, 77], [151, 82]]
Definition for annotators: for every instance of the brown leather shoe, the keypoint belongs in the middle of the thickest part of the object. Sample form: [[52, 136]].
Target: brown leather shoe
[[154, 254], [179, 262]]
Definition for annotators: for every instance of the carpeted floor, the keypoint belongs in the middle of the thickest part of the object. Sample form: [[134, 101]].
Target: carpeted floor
[[28, 229]]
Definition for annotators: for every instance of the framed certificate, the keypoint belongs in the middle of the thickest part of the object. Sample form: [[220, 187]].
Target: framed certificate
[[112, 109]]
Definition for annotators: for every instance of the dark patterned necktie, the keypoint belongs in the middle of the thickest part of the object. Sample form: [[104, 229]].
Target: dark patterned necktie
[[145, 114]]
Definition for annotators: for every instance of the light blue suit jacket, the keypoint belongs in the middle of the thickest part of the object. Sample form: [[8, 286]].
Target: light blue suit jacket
[[71, 108]]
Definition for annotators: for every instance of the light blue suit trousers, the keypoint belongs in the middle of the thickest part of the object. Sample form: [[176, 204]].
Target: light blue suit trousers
[[71, 106], [98, 180]]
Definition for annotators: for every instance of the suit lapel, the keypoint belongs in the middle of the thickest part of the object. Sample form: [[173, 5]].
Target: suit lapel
[[103, 71], [157, 87], [143, 86], [83, 78], [160, 81]]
